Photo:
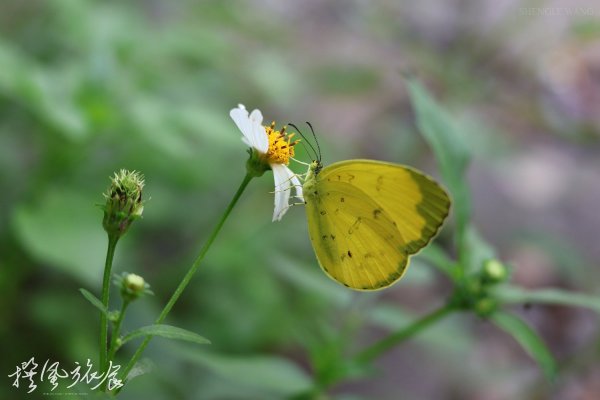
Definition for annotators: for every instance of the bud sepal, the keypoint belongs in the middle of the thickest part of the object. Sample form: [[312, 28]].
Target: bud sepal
[[123, 202], [132, 286]]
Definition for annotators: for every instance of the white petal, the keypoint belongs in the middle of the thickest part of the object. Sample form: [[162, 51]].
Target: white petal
[[254, 134], [240, 117], [256, 117], [298, 187], [283, 184], [260, 139]]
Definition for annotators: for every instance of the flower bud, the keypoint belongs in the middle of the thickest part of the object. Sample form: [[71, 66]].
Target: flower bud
[[113, 316], [123, 202], [485, 307], [494, 271], [134, 283], [132, 286], [473, 287]]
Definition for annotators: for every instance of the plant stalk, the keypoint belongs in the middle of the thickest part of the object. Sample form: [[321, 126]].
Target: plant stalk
[[117, 331], [110, 252], [379, 348], [188, 276]]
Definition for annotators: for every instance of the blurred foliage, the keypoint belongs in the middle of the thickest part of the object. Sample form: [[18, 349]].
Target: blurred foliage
[[89, 87]]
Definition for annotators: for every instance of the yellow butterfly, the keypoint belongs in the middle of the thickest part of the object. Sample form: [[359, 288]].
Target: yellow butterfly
[[366, 218]]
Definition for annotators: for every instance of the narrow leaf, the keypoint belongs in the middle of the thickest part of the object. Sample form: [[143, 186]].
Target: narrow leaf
[[94, 300], [440, 130], [443, 134], [477, 248], [166, 331], [62, 230], [272, 374], [528, 339], [511, 294], [142, 367]]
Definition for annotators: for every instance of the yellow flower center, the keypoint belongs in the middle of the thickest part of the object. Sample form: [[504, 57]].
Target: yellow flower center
[[281, 147]]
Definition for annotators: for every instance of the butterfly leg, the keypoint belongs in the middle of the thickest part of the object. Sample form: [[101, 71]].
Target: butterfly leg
[[294, 204], [290, 187], [300, 162]]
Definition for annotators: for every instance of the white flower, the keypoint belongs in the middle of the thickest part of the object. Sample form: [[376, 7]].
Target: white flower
[[276, 149]]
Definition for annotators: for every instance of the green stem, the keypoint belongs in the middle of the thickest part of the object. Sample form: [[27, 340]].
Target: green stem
[[374, 351], [110, 252], [463, 253], [115, 336], [116, 331], [187, 278]]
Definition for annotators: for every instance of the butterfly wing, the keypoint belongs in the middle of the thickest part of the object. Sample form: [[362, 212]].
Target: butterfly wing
[[367, 217]]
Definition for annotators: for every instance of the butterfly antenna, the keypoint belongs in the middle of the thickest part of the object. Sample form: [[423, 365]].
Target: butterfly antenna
[[305, 140], [316, 140], [305, 148]]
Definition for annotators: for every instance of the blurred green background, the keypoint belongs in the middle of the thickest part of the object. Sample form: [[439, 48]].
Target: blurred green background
[[89, 87]]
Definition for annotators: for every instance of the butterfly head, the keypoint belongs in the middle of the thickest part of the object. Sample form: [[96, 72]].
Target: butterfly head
[[310, 181], [315, 167]]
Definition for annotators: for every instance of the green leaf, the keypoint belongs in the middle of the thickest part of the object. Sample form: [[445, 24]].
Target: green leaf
[[94, 300], [442, 133], [166, 331], [270, 373], [440, 130], [435, 338], [509, 294], [310, 279], [142, 367], [528, 339], [46, 93], [64, 230], [478, 250]]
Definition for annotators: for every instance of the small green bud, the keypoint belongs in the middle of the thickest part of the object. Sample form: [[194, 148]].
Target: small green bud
[[467, 293], [123, 202], [134, 283], [485, 307], [494, 271], [131, 286], [474, 287], [113, 316]]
